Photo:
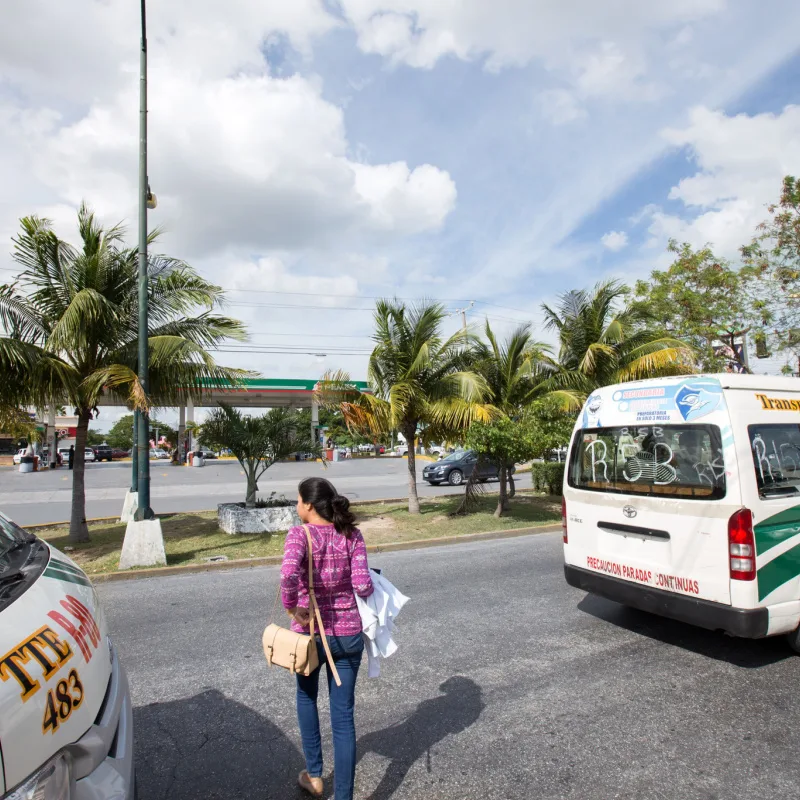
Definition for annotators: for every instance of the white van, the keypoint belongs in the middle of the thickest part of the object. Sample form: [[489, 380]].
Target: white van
[[682, 498], [66, 725]]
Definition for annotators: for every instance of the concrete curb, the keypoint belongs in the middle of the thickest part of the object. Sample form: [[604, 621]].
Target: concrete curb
[[167, 514], [267, 561]]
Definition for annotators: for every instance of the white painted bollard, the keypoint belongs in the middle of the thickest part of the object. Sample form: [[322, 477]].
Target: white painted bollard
[[198, 461], [143, 545], [129, 506]]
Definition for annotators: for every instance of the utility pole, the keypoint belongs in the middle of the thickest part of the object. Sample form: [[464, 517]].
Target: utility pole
[[143, 510], [463, 312]]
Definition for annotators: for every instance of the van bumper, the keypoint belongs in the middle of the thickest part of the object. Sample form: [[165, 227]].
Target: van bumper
[[749, 623]]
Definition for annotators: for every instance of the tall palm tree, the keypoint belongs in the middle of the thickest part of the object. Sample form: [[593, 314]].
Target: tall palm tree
[[70, 322], [422, 382], [604, 340], [514, 371]]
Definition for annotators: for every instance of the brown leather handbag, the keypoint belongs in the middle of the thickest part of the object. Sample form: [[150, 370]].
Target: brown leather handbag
[[297, 652]]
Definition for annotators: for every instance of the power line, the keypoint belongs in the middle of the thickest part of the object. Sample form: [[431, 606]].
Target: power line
[[246, 347], [314, 335], [376, 297], [319, 352], [339, 296], [288, 306]]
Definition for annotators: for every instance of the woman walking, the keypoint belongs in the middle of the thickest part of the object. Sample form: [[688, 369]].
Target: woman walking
[[341, 571]]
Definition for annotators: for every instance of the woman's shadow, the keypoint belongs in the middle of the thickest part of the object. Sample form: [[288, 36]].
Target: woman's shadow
[[407, 741]]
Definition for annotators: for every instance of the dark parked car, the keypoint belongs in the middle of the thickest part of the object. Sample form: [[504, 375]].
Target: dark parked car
[[103, 453], [118, 452], [457, 467]]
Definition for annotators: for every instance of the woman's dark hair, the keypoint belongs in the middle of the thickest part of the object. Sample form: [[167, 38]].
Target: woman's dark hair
[[328, 503]]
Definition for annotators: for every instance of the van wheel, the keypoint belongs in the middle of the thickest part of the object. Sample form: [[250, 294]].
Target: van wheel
[[456, 477], [793, 639]]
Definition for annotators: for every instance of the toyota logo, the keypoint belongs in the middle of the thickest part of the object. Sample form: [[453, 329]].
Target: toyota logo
[[629, 511]]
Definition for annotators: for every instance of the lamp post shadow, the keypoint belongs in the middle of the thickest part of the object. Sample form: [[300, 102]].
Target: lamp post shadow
[[406, 742]]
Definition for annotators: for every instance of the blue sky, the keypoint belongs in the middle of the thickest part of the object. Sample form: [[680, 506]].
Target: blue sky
[[498, 153]]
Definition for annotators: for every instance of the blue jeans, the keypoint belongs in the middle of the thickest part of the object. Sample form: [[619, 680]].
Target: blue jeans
[[346, 652]]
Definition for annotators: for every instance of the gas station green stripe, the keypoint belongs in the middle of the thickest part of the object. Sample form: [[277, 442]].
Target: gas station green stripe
[[780, 570]]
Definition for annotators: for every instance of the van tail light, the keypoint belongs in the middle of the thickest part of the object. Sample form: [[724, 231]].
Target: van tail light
[[564, 519], [742, 546]]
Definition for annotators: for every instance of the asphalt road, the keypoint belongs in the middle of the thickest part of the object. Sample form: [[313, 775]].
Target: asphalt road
[[508, 684], [45, 496]]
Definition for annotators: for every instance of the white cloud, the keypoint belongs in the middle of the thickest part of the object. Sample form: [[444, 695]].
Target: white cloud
[[88, 48], [561, 106], [741, 161], [253, 160], [506, 32], [258, 183], [615, 240]]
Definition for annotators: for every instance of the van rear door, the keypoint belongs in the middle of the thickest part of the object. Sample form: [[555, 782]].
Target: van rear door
[[651, 503]]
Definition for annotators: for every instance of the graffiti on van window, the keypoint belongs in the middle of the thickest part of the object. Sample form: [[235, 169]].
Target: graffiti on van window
[[646, 455], [598, 452], [712, 472], [774, 458], [649, 467]]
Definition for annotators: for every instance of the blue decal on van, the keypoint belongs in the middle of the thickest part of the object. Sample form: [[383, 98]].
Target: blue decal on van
[[695, 401], [591, 411]]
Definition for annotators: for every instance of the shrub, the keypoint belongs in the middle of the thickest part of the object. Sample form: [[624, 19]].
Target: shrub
[[548, 477], [273, 501]]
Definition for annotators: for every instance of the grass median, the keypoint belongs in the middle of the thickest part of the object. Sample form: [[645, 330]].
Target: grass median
[[196, 538]]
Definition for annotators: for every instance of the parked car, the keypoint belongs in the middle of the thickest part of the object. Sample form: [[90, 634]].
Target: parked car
[[557, 454], [18, 455], [158, 453], [456, 467], [88, 454], [120, 453], [401, 450], [208, 454], [103, 453]]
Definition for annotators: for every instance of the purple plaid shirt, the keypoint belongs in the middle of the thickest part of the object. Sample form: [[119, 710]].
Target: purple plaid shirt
[[340, 572]]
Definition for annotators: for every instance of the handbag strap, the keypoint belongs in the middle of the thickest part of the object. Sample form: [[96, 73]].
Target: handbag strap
[[311, 596], [312, 600]]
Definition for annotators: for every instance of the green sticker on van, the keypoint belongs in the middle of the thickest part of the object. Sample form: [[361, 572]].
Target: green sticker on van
[[769, 533]]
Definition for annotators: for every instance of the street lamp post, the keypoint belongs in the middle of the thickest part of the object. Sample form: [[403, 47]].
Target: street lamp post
[[143, 510], [143, 545], [135, 455]]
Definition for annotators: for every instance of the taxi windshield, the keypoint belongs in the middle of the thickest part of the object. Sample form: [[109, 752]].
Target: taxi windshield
[[11, 536]]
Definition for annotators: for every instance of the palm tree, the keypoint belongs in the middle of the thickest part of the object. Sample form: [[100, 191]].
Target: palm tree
[[71, 327], [519, 371], [604, 340], [422, 383]]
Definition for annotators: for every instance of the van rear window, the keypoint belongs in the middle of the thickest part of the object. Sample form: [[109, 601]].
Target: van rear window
[[776, 459], [682, 461]]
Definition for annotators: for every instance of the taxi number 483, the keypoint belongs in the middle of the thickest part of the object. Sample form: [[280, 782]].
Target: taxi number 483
[[62, 700]]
